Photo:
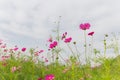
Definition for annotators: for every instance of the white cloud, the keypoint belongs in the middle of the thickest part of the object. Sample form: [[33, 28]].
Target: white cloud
[[35, 18]]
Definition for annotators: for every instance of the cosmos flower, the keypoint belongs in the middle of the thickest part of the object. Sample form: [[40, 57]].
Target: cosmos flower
[[53, 44], [91, 33], [84, 26], [67, 40], [23, 49], [49, 77]]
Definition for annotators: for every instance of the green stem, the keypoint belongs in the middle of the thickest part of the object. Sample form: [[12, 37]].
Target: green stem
[[85, 45], [71, 49], [91, 49], [78, 55], [92, 45], [105, 48], [63, 58], [84, 73], [58, 36]]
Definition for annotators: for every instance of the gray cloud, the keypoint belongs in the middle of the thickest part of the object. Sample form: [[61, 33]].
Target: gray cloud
[[35, 18]]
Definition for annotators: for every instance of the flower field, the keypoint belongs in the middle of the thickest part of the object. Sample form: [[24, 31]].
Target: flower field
[[29, 64]]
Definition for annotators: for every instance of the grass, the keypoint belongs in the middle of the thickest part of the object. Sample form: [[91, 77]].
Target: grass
[[28, 70]]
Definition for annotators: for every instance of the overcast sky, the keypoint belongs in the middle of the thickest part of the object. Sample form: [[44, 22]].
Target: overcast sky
[[29, 22]]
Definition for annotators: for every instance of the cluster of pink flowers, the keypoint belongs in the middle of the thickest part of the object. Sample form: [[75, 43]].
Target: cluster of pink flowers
[[64, 35], [16, 48], [5, 57], [66, 40], [3, 46], [86, 26], [52, 44], [48, 77], [13, 69], [37, 53]]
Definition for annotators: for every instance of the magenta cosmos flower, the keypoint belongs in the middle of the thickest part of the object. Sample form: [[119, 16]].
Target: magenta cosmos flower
[[50, 39], [15, 49], [3, 46], [40, 79], [67, 40], [13, 69], [37, 53], [46, 60], [64, 35], [53, 44], [84, 26], [49, 77], [23, 49], [91, 33], [41, 51]]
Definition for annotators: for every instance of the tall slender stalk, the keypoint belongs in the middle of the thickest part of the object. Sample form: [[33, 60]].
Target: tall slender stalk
[[116, 46], [91, 48], [71, 50], [85, 45], [92, 45], [58, 37], [78, 53], [105, 47]]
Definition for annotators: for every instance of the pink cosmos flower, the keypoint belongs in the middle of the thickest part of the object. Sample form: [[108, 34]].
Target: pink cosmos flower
[[64, 35], [4, 64], [50, 39], [4, 57], [52, 45], [84, 26], [40, 79], [23, 49], [15, 49], [49, 77], [37, 53], [13, 69], [5, 50], [67, 40], [91, 33], [55, 43], [46, 60], [41, 51], [3, 46]]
